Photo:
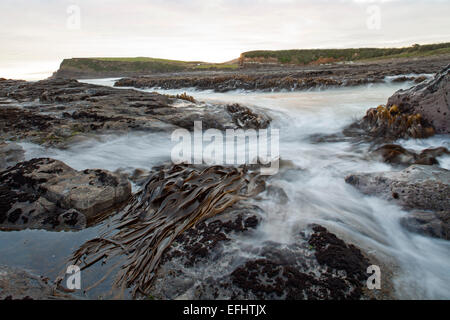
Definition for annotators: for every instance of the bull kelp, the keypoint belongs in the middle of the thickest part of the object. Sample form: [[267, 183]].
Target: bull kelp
[[173, 200]]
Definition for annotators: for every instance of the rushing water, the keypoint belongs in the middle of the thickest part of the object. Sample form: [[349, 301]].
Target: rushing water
[[418, 266]]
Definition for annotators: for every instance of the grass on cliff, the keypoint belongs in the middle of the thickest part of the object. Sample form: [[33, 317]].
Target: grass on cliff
[[139, 64], [312, 56]]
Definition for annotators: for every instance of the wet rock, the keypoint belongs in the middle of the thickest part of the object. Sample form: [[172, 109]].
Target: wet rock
[[388, 124], [139, 176], [58, 112], [418, 112], [19, 284], [245, 118], [202, 240], [277, 194], [46, 193], [433, 224], [10, 154], [175, 198], [416, 187], [395, 154], [429, 99], [318, 265], [432, 153]]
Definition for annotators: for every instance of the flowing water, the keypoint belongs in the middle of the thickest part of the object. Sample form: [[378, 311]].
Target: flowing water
[[418, 266]]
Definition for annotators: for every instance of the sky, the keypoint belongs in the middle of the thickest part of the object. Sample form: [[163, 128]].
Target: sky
[[36, 35]]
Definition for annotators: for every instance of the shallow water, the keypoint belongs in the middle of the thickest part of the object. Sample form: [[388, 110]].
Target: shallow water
[[316, 189]]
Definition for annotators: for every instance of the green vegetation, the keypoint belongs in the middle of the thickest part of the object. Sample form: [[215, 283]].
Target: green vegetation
[[139, 64], [295, 57], [318, 56]]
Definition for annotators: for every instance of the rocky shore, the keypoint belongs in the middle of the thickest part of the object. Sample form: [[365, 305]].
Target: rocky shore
[[198, 264], [60, 112], [423, 187], [48, 194], [171, 239], [418, 112], [293, 78]]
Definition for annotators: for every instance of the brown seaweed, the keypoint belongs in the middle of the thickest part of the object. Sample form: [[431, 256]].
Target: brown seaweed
[[173, 200]]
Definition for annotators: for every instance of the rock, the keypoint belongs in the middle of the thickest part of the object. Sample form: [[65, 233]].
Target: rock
[[318, 265], [419, 112], [19, 284], [286, 78], [277, 194], [10, 154], [395, 154], [174, 199], [429, 99], [416, 187], [46, 193], [389, 124], [245, 118], [433, 224], [139, 176], [58, 112]]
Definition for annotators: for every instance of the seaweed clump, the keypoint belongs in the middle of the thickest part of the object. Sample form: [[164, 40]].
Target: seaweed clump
[[173, 200], [390, 123]]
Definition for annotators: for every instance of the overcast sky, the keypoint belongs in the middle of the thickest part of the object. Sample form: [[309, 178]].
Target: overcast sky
[[37, 34]]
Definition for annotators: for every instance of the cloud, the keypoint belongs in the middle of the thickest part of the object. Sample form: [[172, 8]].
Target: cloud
[[213, 30]]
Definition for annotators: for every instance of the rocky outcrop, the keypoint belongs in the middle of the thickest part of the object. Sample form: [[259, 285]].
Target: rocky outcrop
[[174, 198], [395, 154], [46, 193], [58, 112], [10, 154], [433, 224], [290, 78], [418, 188], [317, 265], [419, 112], [389, 124], [429, 99], [20, 284], [181, 236]]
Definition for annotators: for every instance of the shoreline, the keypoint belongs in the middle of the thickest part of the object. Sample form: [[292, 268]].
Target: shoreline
[[60, 112], [295, 78]]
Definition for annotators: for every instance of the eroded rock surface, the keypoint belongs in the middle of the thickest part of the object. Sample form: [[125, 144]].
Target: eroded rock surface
[[10, 154], [395, 154], [46, 193], [419, 112], [434, 224], [421, 188], [19, 284], [57, 112], [317, 265], [416, 187], [429, 99]]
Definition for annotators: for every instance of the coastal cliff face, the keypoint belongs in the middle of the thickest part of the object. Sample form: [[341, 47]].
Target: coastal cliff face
[[84, 68]]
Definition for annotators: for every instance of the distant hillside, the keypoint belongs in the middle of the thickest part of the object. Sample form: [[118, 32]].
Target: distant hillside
[[322, 56], [117, 67], [128, 67]]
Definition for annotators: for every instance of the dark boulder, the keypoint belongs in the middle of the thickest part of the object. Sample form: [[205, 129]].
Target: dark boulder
[[429, 99], [46, 193]]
